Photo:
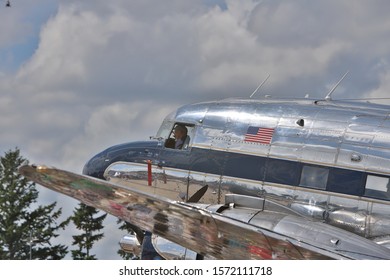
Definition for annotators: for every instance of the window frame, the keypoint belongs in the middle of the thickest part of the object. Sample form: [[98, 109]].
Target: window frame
[[190, 133], [312, 173], [377, 192]]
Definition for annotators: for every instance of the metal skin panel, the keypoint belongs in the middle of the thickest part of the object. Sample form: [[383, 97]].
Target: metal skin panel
[[378, 160], [319, 151], [347, 141], [322, 235], [130, 244], [381, 138], [379, 223], [210, 234], [346, 155], [172, 251], [288, 142], [304, 201], [326, 236], [190, 113], [203, 136], [386, 123]]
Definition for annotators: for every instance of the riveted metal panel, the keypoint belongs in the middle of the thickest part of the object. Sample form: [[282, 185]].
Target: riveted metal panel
[[379, 223], [241, 214], [192, 113], [367, 120], [289, 148], [386, 122], [326, 134], [358, 138], [285, 132], [381, 138], [334, 118], [269, 221], [203, 136], [379, 160], [310, 204], [347, 154], [367, 130], [323, 152], [285, 151], [243, 186], [220, 114], [348, 213], [288, 138]]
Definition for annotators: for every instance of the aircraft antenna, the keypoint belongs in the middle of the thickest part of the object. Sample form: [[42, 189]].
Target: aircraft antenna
[[259, 86], [328, 97]]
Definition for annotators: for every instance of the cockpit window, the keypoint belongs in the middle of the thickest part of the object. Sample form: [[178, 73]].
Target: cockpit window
[[180, 136], [165, 129]]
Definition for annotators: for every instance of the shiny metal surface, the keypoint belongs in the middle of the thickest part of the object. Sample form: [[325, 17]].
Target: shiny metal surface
[[130, 244], [352, 136], [172, 251], [210, 234], [315, 233], [358, 216], [311, 139], [167, 182], [332, 134], [327, 127]]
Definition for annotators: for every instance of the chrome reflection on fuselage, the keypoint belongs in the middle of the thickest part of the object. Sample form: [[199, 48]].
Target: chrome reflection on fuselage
[[328, 161]]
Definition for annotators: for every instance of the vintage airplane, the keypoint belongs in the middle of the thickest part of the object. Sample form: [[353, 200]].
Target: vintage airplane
[[254, 179]]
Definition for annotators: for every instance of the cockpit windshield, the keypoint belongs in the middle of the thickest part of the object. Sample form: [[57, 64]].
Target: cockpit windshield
[[176, 135], [165, 129]]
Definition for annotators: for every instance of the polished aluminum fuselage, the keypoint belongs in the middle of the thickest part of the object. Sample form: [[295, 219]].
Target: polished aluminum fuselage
[[328, 161]]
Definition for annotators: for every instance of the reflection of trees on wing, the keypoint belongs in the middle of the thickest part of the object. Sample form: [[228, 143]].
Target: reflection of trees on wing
[[26, 229], [231, 232]]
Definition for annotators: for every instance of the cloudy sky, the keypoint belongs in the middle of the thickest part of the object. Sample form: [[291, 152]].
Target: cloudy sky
[[79, 76]]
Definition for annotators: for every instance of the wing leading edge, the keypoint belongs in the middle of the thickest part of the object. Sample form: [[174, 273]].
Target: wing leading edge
[[201, 230]]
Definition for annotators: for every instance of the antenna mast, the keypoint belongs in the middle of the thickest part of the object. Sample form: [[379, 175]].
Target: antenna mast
[[259, 86], [328, 97]]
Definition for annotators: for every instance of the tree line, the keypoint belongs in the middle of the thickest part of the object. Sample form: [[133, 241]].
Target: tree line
[[29, 230]]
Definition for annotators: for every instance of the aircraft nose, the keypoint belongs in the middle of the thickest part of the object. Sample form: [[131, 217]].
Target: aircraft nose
[[96, 166]]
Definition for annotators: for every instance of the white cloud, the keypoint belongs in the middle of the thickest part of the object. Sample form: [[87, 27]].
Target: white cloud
[[383, 89], [100, 51], [112, 124], [16, 30], [105, 72]]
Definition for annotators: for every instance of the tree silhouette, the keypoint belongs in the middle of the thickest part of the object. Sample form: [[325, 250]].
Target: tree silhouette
[[85, 219], [25, 232]]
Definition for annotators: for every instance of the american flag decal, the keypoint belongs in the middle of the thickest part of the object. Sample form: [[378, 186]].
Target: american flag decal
[[260, 135]]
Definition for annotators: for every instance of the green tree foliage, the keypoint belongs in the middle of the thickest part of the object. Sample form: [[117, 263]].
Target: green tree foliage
[[85, 220], [26, 232]]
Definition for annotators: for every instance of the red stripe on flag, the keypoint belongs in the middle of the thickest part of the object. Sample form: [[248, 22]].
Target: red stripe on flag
[[262, 135]]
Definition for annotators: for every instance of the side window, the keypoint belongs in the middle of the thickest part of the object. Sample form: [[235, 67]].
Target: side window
[[346, 181], [282, 172], [377, 187], [180, 136], [314, 177]]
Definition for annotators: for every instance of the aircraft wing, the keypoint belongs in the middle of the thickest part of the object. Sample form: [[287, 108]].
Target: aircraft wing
[[203, 231]]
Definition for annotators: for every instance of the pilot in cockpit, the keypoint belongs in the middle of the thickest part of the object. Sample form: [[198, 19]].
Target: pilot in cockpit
[[180, 134]]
